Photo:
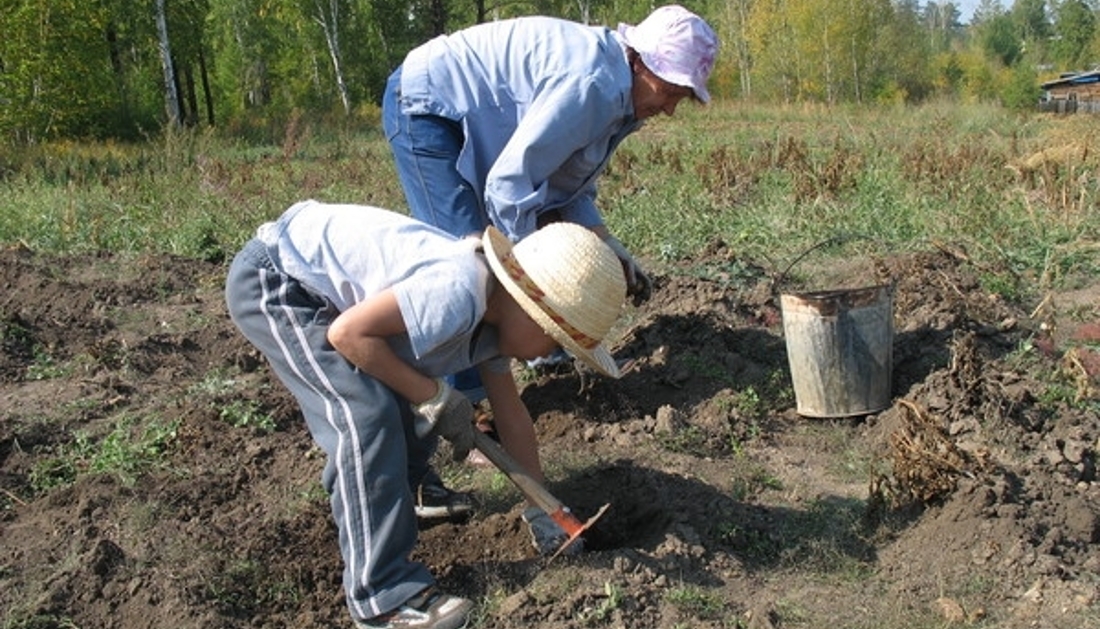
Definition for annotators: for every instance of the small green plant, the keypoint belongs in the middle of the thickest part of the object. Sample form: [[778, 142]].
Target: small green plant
[[1056, 394], [728, 273], [1024, 355], [752, 479], [111, 354], [80, 407], [741, 435], [499, 483], [50, 472], [828, 538], [245, 585], [494, 490], [792, 612], [752, 544], [1001, 284], [126, 452], [979, 584], [14, 335], [216, 382], [525, 375], [690, 440], [247, 414], [747, 402], [45, 367], [314, 492], [705, 368], [612, 600], [696, 601], [779, 390]]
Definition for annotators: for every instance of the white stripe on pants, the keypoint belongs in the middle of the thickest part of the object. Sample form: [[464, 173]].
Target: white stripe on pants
[[359, 423]]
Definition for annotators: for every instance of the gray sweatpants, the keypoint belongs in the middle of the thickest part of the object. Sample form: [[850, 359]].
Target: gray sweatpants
[[364, 428]]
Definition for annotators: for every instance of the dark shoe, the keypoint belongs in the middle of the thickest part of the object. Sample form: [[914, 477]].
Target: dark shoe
[[434, 501], [431, 609]]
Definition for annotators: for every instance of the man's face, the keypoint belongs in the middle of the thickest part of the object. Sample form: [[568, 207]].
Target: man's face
[[652, 94]]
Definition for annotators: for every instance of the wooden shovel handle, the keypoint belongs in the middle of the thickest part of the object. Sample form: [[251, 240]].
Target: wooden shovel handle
[[530, 487]]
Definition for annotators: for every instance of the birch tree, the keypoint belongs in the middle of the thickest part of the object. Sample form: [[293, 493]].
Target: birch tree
[[737, 16], [164, 46], [1033, 28], [327, 14]]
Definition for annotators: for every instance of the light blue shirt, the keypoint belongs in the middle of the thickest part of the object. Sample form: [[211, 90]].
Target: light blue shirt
[[543, 102], [348, 253]]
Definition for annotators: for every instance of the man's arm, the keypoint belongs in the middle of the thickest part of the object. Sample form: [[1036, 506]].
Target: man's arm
[[516, 186]]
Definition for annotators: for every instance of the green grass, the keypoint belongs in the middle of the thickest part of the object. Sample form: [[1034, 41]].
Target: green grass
[[770, 182], [244, 585], [248, 414], [187, 193], [602, 611], [45, 366], [750, 479], [696, 601], [134, 446]]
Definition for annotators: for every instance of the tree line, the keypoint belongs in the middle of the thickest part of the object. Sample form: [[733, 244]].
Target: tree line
[[125, 68]]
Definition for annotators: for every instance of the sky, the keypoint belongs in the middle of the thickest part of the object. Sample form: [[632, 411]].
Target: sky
[[966, 9]]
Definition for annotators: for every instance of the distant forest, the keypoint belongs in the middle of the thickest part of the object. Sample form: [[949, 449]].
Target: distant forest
[[123, 69]]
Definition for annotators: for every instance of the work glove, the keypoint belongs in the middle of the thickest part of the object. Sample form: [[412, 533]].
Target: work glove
[[546, 535], [448, 414], [638, 284]]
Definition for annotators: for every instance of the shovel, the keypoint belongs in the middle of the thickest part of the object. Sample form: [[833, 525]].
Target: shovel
[[534, 491]]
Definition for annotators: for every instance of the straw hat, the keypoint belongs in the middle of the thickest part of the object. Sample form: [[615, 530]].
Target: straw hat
[[567, 280]]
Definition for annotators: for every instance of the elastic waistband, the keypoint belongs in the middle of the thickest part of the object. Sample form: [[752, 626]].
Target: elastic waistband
[[257, 254]]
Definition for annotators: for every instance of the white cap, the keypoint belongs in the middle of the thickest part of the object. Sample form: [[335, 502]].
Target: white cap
[[677, 46]]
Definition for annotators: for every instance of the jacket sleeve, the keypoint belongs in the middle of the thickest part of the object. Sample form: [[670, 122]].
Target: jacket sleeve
[[559, 146]]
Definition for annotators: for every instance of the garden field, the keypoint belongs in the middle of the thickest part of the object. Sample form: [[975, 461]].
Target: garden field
[[153, 473]]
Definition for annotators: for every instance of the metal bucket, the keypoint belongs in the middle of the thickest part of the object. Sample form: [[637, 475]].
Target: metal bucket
[[840, 347]]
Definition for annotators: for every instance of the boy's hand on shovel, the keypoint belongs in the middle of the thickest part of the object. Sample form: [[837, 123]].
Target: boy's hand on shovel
[[448, 414], [548, 515], [547, 537]]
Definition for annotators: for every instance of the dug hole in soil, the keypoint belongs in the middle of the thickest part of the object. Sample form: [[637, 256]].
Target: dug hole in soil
[[972, 500]]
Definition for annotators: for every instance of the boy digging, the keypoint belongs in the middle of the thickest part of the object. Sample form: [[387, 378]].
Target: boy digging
[[361, 312]]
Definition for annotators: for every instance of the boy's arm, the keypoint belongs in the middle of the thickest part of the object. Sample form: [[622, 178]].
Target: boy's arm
[[513, 420], [517, 434], [359, 334]]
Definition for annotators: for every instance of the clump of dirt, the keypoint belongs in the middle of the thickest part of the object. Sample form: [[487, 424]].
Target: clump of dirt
[[153, 473]]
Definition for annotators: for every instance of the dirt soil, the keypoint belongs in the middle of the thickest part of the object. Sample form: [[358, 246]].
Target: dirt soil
[[154, 474]]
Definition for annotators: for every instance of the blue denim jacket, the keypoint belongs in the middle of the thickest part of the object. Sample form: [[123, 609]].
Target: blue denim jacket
[[543, 102]]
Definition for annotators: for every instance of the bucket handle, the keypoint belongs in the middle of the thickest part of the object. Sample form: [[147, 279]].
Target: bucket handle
[[836, 239]]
